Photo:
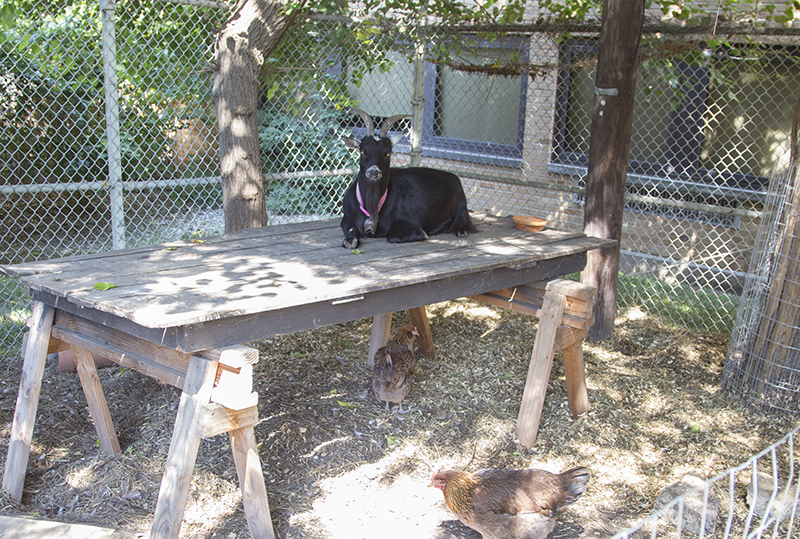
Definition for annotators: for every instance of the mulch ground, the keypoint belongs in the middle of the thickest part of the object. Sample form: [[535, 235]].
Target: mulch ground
[[338, 465]]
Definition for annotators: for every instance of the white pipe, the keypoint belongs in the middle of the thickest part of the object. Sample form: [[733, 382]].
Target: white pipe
[[113, 144]]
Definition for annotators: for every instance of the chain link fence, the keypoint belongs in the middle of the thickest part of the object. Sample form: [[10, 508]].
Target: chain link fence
[[763, 364], [107, 137]]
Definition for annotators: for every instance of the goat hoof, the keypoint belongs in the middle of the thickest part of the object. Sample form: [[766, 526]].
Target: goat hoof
[[462, 233], [350, 243]]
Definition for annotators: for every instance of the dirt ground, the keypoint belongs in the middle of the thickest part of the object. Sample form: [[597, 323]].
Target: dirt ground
[[337, 465]]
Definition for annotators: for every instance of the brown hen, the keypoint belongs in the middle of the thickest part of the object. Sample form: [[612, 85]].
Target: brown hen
[[394, 366], [510, 504]]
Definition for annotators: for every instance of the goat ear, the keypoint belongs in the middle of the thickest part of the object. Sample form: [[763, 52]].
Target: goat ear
[[350, 142], [395, 138]]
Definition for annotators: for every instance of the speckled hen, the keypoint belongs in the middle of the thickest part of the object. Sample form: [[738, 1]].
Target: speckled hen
[[510, 504]]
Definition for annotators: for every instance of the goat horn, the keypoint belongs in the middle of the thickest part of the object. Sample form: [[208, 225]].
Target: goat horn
[[389, 122], [368, 123]]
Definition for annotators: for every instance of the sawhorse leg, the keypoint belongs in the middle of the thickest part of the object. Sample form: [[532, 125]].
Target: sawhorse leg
[[564, 309], [30, 387], [96, 399], [530, 411], [183, 449], [382, 327], [198, 417], [251, 481]]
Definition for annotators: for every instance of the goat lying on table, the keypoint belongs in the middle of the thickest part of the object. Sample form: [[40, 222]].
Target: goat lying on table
[[400, 204]]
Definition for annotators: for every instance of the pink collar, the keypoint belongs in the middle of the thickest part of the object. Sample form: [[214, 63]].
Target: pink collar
[[361, 202]]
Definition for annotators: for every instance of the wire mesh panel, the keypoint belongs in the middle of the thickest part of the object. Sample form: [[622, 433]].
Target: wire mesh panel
[[89, 163], [763, 365], [758, 498]]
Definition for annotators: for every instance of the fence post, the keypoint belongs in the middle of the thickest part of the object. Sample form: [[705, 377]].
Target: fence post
[[418, 98], [116, 195]]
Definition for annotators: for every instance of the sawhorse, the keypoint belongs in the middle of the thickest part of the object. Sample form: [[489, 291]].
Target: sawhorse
[[564, 309]]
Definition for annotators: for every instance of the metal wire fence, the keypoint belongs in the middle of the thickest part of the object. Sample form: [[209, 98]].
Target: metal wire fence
[[108, 138], [758, 498], [763, 364]]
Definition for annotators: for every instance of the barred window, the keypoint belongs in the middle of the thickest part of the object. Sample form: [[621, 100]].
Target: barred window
[[467, 115], [695, 127]]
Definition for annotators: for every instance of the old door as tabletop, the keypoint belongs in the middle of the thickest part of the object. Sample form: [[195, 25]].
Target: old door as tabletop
[[168, 310]]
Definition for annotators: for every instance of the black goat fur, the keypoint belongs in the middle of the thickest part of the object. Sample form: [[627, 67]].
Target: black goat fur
[[420, 202]]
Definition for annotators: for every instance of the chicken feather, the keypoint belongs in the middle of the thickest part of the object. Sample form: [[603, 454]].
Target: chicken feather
[[510, 504], [393, 366]]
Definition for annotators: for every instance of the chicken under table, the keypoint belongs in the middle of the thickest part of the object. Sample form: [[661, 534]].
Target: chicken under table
[[178, 312]]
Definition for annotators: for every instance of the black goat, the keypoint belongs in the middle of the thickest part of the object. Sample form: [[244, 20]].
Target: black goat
[[400, 204]]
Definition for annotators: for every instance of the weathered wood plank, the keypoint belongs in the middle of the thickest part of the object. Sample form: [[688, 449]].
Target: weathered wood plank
[[30, 387], [204, 284], [160, 362], [183, 448], [233, 356], [186, 299], [425, 345], [251, 481], [575, 374], [381, 328], [96, 400], [503, 298], [530, 411], [244, 328], [217, 419]]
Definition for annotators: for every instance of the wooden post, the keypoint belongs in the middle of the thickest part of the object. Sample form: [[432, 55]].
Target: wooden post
[[183, 448], [612, 121], [251, 481], [98, 407], [575, 375], [30, 387], [425, 345], [381, 327], [530, 411]]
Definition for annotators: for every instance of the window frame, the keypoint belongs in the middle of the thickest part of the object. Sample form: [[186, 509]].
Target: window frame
[[681, 170], [475, 151], [466, 150]]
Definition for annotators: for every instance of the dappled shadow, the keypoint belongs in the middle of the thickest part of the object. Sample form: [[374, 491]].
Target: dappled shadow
[[331, 452]]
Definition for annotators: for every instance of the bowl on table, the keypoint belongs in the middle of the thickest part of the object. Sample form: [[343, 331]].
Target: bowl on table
[[529, 223]]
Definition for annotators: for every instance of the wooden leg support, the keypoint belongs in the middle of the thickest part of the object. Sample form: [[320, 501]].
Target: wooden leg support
[[96, 399], [251, 481], [183, 449], [575, 374], [30, 387], [382, 328], [419, 317], [530, 411], [564, 309], [201, 416]]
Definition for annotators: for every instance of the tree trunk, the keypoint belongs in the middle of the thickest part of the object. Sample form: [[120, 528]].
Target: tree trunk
[[767, 371], [612, 120], [254, 30]]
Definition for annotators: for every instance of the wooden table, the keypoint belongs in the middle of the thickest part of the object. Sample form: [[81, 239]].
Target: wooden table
[[178, 312]]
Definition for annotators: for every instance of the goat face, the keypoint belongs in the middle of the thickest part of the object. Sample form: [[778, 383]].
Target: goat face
[[373, 176], [376, 154]]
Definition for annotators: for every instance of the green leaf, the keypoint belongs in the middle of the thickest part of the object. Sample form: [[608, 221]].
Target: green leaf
[[357, 251], [104, 286], [299, 355], [343, 404], [7, 16]]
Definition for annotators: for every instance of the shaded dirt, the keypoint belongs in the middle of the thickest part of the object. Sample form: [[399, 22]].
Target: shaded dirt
[[337, 465]]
